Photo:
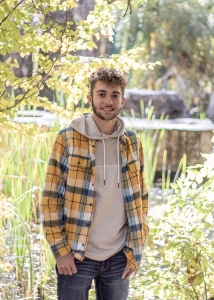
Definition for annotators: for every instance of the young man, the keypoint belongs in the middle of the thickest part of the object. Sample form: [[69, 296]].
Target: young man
[[94, 203]]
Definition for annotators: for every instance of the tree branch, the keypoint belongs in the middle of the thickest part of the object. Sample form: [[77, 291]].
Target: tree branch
[[5, 18], [129, 6]]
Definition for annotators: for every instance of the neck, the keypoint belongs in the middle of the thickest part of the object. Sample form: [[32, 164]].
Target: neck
[[105, 126]]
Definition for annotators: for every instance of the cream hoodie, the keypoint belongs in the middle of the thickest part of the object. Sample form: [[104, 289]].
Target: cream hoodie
[[108, 230]]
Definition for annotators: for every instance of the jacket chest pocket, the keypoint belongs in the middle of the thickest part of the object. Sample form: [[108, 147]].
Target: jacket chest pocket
[[134, 166], [79, 164], [79, 171]]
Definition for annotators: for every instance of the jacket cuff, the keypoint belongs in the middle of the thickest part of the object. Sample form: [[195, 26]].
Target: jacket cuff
[[130, 257], [60, 249]]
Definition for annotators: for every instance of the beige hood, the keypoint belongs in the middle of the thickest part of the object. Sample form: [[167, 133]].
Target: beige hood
[[86, 126]]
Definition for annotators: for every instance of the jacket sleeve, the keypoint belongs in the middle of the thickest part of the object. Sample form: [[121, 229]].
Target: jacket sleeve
[[52, 203], [142, 209], [144, 192]]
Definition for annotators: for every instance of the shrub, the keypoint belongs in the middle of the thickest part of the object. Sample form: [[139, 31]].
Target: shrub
[[179, 256]]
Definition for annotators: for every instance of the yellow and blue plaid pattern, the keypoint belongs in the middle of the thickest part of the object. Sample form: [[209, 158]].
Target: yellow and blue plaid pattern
[[68, 199]]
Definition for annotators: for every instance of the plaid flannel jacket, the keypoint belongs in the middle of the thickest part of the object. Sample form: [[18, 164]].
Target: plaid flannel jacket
[[68, 198]]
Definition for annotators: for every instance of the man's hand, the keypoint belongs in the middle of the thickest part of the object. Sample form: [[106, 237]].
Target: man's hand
[[66, 264], [128, 271]]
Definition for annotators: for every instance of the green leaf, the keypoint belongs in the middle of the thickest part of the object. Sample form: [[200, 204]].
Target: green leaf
[[198, 280], [90, 45]]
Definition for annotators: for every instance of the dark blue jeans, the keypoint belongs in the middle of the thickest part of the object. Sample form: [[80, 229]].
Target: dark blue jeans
[[107, 278]]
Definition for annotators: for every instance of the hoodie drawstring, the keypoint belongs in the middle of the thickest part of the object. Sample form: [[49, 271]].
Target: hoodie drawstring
[[118, 161], [104, 158]]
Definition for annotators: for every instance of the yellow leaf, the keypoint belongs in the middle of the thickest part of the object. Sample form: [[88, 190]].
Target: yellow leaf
[[150, 67], [90, 45]]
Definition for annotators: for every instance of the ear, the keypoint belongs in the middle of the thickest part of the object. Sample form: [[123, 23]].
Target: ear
[[123, 101], [89, 99]]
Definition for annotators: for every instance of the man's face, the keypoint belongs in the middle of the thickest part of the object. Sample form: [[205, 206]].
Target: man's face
[[107, 100]]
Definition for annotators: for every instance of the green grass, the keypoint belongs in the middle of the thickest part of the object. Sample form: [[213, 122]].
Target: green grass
[[25, 255]]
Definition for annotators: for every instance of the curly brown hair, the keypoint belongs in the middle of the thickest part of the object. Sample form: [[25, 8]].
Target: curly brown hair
[[109, 76]]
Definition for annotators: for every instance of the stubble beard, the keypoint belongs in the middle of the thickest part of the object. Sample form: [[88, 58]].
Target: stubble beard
[[99, 115]]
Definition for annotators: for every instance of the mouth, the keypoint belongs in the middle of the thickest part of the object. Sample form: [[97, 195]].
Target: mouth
[[107, 109]]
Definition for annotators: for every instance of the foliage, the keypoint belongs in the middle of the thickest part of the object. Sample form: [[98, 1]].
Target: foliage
[[40, 46], [26, 264], [151, 140], [179, 258], [179, 255], [180, 35]]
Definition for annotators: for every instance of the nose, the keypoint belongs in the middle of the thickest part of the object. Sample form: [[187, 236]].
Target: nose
[[108, 99]]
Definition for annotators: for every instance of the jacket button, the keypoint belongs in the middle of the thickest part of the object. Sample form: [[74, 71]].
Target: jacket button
[[90, 204]]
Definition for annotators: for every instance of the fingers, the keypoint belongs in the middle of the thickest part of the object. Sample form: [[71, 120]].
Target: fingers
[[74, 269], [66, 265], [128, 271], [127, 268], [69, 269]]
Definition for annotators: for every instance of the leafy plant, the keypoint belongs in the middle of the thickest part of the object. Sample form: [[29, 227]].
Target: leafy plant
[[42, 48], [180, 35], [179, 257], [26, 264]]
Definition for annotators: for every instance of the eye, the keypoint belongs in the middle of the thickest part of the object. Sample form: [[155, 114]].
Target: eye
[[102, 95], [115, 96]]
